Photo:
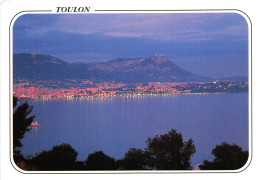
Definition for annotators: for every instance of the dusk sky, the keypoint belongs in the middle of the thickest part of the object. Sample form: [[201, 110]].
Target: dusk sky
[[209, 44]]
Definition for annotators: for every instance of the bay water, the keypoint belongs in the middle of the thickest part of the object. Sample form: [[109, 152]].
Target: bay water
[[115, 124]]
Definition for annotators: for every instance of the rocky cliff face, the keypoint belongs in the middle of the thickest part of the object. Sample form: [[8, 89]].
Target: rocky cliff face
[[156, 62]]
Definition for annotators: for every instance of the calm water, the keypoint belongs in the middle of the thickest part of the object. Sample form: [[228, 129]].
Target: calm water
[[114, 125]]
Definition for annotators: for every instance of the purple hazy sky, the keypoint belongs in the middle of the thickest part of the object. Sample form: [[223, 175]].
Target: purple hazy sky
[[209, 44]]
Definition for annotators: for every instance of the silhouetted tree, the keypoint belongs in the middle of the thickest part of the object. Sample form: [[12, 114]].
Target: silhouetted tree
[[135, 159], [227, 157], [100, 161], [61, 157], [21, 123], [170, 152], [79, 165], [15, 101]]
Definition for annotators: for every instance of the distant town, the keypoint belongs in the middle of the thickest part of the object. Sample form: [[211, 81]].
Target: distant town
[[70, 88]]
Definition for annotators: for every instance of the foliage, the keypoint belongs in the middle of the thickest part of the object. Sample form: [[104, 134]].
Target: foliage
[[165, 152], [170, 152], [21, 123], [100, 161], [135, 159], [227, 157], [61, 157]]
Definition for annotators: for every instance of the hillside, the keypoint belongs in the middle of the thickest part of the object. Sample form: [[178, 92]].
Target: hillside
[[157, 68]]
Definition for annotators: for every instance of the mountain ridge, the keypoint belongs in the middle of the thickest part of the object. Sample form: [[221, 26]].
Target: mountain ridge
[[156, 68]]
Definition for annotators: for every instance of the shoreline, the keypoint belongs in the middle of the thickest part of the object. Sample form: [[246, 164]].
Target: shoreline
[[124, 95]]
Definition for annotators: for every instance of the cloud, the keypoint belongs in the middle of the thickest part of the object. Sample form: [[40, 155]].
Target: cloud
[[120, 34], [161, 26]]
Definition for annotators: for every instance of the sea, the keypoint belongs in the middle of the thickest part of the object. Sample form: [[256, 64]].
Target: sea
[[116, 124]]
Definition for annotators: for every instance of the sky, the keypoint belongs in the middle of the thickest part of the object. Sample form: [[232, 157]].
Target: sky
[[208, 44]]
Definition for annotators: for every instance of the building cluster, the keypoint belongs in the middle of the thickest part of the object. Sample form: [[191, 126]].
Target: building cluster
[[89, 89]]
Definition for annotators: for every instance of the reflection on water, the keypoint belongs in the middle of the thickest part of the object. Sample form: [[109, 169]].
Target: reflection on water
[[34, 129], [102, 99], [115, 124]]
